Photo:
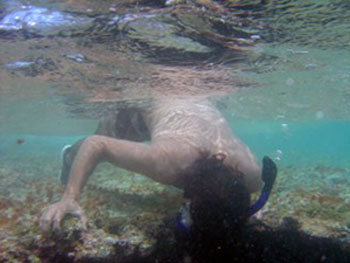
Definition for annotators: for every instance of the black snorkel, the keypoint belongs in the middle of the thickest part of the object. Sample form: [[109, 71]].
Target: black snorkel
[[269, 173], [183, 220]]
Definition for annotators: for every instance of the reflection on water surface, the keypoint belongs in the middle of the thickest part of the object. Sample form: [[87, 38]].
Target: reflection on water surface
[[115, 51]]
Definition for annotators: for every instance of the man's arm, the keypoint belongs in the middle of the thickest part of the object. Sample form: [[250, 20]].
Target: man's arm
[[129, 155], [146, 159]]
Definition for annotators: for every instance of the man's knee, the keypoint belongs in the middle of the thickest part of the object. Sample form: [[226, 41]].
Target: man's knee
[[127, 124], [95, 144]]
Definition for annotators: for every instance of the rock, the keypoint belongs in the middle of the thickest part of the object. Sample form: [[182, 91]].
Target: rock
[[34, 67], [77, 57], [39, 20], [159, 31]]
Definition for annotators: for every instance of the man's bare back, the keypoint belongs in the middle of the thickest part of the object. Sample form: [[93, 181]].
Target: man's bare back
[[180, 131]]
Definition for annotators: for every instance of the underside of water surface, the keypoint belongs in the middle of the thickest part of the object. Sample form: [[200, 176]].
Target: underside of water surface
[[278, 71]]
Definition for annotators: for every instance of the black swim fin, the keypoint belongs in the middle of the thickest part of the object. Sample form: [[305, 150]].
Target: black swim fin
[[66, 165]]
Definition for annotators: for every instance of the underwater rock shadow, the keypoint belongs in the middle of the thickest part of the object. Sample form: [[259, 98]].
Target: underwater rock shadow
[[252, 243], [257, 243]]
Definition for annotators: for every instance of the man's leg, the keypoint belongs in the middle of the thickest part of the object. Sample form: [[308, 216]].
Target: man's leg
[[126, 124]]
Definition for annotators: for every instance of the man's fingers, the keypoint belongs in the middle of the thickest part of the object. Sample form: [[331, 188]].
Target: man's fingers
[[44, 224], [45, 221], [78, 212], [56, 222], [50, 220], [54, 214], [83, 220]]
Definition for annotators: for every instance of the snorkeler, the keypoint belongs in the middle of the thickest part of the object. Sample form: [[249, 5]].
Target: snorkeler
[[191, 147]]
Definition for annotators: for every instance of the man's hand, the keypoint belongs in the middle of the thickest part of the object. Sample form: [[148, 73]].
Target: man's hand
[[51, 219]]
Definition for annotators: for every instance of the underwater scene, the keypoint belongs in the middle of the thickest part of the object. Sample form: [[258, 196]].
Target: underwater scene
[[276, 73]]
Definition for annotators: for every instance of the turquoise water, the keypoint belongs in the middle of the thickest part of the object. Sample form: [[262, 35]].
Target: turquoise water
[[301, 143], [279, 72]]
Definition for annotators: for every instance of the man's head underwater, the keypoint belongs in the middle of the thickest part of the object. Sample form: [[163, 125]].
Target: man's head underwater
[[219, 201]]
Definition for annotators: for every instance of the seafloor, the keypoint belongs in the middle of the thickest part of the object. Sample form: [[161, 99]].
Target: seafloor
[[131, 218]]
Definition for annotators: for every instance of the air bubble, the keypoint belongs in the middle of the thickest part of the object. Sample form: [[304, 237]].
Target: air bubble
[[290, 82], [319, 115], [284, 127], [278, 155]]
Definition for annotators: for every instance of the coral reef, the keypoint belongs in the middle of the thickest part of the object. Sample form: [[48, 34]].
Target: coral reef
[[130, 215], [112, 179], [121, 221], [315, 196]]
